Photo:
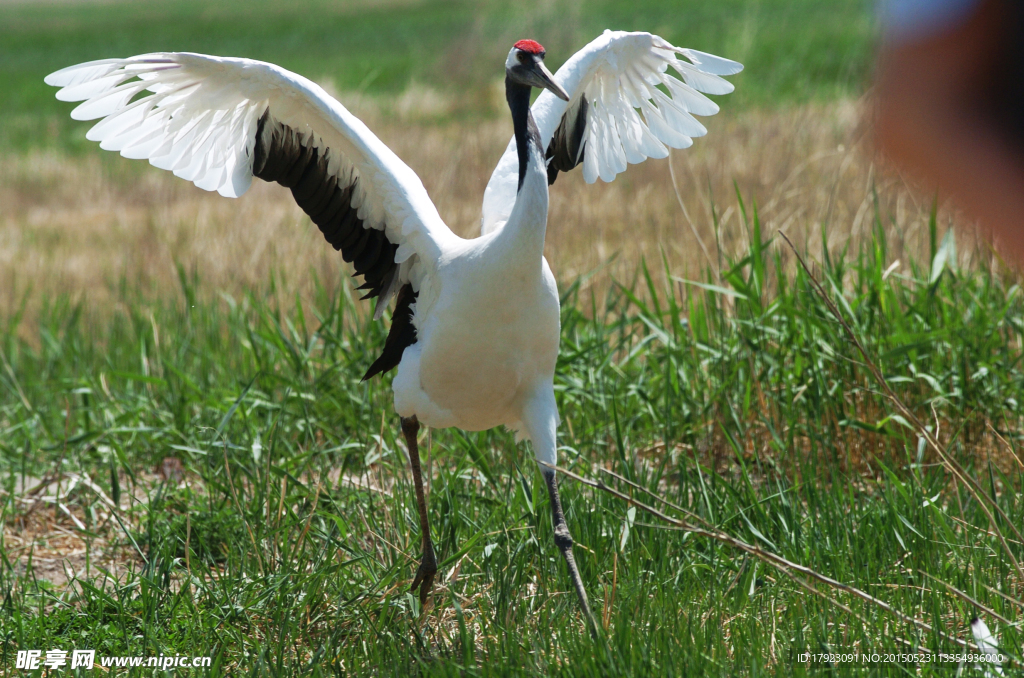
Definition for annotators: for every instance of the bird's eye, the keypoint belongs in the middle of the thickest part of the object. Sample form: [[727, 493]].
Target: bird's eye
[[522, 56]]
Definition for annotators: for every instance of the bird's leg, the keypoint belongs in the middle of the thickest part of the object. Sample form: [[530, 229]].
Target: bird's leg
[[563, 540], [424, 580]]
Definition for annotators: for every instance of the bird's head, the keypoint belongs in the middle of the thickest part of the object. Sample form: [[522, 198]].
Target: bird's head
[[525, 66]]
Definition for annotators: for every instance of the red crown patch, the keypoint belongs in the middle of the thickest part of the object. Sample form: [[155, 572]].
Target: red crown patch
[[530, 46]]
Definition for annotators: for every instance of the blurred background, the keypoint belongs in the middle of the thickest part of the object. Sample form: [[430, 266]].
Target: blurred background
[[427, 77]]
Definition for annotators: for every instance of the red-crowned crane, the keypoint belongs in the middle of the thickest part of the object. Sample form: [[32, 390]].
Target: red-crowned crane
[[474, 332]]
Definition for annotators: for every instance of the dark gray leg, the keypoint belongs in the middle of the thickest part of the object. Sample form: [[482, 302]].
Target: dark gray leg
[[563, 540], [424, 580]]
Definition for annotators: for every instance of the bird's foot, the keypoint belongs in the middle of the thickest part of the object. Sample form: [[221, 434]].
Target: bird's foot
[[424, 580]]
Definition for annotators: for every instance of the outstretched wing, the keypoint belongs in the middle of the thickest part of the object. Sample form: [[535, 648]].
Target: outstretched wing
[[624, 107], [219, 122]]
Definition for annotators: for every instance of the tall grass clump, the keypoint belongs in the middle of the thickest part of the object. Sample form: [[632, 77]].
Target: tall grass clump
[[227, 486]]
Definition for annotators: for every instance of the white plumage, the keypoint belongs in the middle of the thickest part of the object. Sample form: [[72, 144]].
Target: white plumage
[[476, 324], [199, 121], [630, 119], [988, 645]]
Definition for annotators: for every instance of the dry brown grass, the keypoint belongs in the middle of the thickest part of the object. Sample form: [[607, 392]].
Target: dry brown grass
[[77, 226], [58, 532]]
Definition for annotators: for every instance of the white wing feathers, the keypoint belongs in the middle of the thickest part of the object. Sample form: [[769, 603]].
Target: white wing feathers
[[629, 118], [198, 116]]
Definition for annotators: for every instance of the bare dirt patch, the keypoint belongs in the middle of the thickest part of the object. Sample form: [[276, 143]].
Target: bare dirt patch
[[62, 528]]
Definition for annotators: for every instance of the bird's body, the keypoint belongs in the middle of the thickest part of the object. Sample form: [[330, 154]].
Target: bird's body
[[475, 328], [481, 355], [488, 327]]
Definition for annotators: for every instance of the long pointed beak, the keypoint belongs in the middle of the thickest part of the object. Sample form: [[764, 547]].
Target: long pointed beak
[[547, 81]]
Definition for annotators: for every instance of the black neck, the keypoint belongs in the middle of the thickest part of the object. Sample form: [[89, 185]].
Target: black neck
[[518, 97]]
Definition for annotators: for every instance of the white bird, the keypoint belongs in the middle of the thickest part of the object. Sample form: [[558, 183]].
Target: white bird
[[475, 328], [988, 645]]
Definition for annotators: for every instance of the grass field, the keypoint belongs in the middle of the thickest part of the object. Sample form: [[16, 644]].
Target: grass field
[[189, 464]]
